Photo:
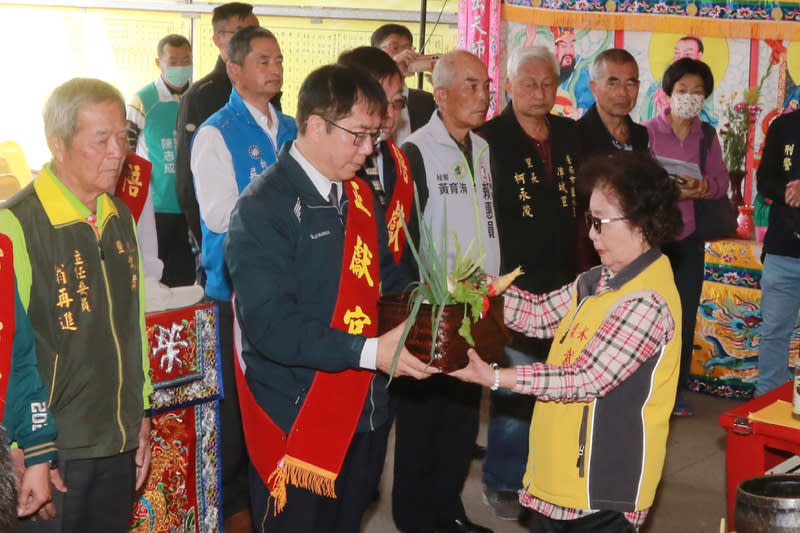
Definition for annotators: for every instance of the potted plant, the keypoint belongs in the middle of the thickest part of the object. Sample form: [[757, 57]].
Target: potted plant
[[448, 311], [741, 116]]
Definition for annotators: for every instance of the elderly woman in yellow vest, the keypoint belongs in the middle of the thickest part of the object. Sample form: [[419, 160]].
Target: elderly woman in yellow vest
[[605, 394]]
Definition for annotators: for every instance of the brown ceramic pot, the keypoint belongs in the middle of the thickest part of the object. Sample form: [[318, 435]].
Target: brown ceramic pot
[[490, 334]]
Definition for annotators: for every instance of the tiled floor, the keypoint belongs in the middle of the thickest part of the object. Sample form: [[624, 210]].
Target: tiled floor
[[691, 498]]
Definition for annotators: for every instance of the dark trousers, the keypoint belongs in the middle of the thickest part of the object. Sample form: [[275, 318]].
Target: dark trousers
[[99, 497], [312, 513], [174, 250], [599, 522], [687, 259], [233, 452], [436, 426]]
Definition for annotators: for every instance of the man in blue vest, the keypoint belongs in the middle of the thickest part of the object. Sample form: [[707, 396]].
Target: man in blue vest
[[205, 97], [151, 116], [229, 150]]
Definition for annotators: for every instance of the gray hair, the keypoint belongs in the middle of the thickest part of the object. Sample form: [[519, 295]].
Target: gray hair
[[524, 54], [611, 55], [66, 101], [445, 69]]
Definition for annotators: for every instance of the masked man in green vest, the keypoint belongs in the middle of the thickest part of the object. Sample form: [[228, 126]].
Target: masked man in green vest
[[151, 116]]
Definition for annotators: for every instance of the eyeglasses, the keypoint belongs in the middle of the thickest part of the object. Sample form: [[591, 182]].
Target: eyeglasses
[[597, 223], [360, 137]]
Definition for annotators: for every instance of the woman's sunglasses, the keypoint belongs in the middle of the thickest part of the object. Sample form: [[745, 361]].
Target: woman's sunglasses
[[597, 223]]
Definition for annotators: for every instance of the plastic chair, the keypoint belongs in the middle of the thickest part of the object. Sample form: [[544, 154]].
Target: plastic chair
[[12, 152], [9, 184]]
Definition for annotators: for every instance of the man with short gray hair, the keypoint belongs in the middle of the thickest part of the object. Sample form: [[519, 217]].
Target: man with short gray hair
[[535, 159], [437, 419], [205, 97], [79, 278], [607, 125]]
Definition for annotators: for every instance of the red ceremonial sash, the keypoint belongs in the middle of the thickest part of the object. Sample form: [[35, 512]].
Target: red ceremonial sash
[[6, 315], [133, 184], [313, 453], [401, 202]]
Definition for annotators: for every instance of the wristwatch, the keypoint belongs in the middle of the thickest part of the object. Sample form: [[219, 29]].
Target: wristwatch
[[53, 464], [496, 369]]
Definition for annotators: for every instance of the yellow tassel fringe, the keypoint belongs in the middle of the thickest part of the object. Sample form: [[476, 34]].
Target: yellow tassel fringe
[[300, 474]]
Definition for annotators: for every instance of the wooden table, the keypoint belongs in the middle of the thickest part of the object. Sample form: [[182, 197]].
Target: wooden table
[[753, 446]]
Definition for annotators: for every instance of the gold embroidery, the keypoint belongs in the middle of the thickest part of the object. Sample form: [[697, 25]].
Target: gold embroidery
[[359, 201], [356, 320], [67, 322], [133, 182], [61, 275], [394, 226], [361, 260], [64, 299]]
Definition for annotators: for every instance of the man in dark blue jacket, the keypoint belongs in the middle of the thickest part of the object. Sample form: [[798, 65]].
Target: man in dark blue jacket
[[308, 261]]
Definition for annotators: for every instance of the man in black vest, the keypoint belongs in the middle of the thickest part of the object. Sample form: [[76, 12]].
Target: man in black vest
[[534, 164], [779, 180], [607, 125], [201, 100]]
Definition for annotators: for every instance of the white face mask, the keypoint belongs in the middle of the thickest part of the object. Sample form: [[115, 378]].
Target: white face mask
[[686, 105], [178, 76]]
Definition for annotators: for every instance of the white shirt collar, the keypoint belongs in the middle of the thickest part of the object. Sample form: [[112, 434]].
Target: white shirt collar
[[262, 119], [320, 181], [164, 94]]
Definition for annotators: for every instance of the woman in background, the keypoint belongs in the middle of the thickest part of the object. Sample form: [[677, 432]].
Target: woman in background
[[678, 133]]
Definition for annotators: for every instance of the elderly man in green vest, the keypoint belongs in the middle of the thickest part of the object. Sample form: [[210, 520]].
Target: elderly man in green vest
[[78, 272], [151, 116]]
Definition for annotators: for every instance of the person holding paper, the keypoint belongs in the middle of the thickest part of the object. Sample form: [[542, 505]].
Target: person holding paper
[[677, 134]]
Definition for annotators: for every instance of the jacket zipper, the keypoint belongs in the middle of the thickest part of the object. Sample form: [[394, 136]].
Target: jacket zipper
[[572, 319], [53, 382], [116, 344], [582, 443]]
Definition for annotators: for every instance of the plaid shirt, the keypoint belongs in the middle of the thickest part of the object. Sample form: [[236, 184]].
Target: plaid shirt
[[637, 330]]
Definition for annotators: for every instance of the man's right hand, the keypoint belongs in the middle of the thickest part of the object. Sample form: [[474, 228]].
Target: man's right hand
[[407, 364], [34, 492]]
